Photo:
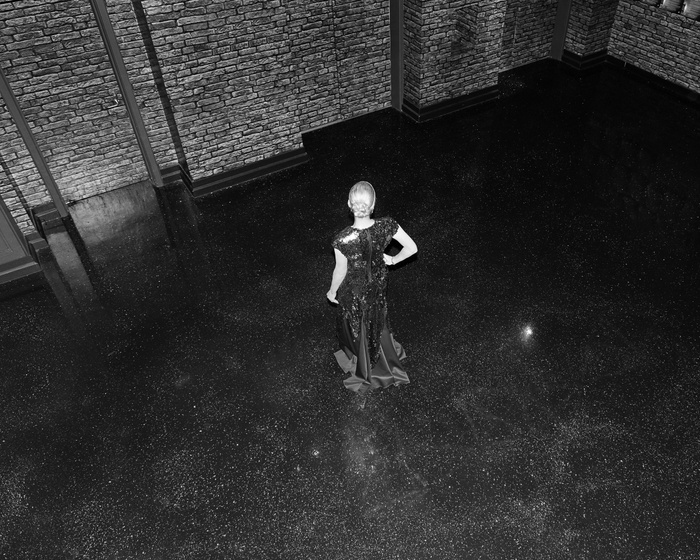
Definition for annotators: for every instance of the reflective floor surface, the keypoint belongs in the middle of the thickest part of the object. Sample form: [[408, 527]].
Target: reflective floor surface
[[170, 391]]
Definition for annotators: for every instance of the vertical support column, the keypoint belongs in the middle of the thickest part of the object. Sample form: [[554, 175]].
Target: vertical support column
[[396, 31], [31, 145], [115, 57], [561, 24]]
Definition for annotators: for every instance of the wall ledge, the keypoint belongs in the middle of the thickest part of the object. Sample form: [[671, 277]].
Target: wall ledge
[[13, 280], [421, 114], [36, 243], [45, 217], [686, 94], [23, 272], [249, 172], [584, 63]]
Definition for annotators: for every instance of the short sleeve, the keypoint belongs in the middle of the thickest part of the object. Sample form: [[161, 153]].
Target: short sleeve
[[392, 226], [338, 241]]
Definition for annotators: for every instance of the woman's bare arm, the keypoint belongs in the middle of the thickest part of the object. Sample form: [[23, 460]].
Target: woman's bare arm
[[408, 248], [339, 272]]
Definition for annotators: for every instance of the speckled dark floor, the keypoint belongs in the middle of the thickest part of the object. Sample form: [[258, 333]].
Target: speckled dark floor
[[171, 393]]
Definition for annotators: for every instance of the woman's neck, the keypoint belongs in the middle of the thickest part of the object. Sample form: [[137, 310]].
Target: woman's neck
[[362, 223]]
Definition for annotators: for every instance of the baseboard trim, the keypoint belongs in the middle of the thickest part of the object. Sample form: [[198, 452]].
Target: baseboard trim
[[176, 173], [422, 114], [584, 63], [171, 174], [249, 172], [602, 58], [686, 94]]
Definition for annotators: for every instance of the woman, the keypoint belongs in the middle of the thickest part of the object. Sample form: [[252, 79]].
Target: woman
[[368, 351]]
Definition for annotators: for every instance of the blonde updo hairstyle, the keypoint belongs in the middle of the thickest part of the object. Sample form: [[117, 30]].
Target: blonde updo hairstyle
[[361, 199]]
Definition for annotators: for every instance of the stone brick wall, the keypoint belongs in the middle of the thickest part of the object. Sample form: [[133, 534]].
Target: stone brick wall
[[57, 66], [528, 31], [364, 58], [452, 48], [590, 26], [658, 41], [229, 77], [600, 26], [577, 29], [455, 47], [247, 78]]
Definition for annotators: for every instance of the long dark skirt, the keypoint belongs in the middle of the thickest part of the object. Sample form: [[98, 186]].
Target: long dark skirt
[[354, 358]]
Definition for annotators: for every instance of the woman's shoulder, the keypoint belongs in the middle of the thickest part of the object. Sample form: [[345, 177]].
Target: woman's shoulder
[[389, 224], [342, 235]]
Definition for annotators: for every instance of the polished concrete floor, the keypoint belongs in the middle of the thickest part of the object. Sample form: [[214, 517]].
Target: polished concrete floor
[[170, 391]]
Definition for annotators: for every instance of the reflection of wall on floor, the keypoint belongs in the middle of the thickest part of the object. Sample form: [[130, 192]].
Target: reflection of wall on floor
[[106, 241]]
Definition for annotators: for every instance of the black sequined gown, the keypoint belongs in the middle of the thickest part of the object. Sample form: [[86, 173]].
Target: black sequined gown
[[368, 351]]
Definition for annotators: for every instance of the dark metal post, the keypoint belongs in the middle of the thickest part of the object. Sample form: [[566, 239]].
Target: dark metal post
[[396, 18], [115, 56], [560, 26], [31, 144]]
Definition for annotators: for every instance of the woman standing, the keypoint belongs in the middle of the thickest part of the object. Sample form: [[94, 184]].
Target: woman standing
[[368, 351]]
